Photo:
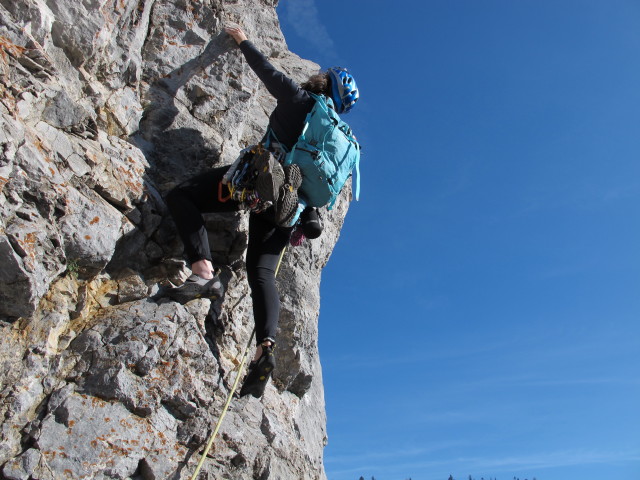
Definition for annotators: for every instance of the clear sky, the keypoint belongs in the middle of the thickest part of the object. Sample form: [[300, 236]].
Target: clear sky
[[481, 312]]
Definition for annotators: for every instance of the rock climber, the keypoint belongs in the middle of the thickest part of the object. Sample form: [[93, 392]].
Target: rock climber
[[266, 238]]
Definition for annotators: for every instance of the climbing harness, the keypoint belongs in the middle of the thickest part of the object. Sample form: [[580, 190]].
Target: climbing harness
[[232, 391]]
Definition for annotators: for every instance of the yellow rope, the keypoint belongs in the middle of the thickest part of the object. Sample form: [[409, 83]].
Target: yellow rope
[[280, 260], [231, 392]]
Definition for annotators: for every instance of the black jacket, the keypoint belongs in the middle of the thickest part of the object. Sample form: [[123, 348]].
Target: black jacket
[[294, 103]]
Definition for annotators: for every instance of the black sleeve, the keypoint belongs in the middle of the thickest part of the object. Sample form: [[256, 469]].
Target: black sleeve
[[278, 84]]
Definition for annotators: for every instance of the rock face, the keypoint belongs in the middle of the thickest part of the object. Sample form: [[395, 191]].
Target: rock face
[[105, 105]]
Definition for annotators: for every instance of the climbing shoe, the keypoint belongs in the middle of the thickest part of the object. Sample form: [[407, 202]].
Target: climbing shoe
[[286, 207], [270, 176], [293, 176], [196, 287], [268, 182], [259, 373]]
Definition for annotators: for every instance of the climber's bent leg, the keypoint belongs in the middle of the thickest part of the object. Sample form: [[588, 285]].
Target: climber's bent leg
[[188, 201], [186, 204]]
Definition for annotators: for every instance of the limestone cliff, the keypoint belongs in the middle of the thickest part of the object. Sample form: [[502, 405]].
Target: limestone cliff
[[104, 106]]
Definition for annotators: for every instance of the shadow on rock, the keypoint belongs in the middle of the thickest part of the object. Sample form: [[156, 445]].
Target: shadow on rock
[[151, 253], [175, 154]]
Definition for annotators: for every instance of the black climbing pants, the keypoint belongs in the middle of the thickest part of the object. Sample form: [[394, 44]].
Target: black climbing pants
[[201, 194]]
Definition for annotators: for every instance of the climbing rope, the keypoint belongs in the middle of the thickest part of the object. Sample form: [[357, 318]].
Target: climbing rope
[[232, 391]]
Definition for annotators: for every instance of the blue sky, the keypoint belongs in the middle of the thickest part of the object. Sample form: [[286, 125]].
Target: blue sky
[[480, 313]]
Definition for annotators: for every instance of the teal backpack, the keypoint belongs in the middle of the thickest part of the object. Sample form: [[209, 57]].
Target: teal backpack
[[326, 152]]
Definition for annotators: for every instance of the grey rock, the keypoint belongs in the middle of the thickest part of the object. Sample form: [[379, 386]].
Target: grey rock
[[62, 112], [148, 362], [55, 140], [122, 112], [131, 287], [89, 340], [23, 466], [105, 109], [87, 436], [37, 15], [90, 228], [118, 171], [31, 259], [10, 441], [15, 283]]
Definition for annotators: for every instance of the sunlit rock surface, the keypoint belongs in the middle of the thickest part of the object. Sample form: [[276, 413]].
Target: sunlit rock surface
[[105, 105]]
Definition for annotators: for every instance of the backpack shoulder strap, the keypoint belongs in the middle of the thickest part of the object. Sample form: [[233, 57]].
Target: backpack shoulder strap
[[270, 138]]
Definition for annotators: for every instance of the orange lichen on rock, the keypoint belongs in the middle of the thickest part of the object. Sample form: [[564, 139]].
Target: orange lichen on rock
[[8, 48], [162, 335]]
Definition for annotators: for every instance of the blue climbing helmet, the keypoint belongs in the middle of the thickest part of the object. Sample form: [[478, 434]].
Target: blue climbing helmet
[[344, 91]]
